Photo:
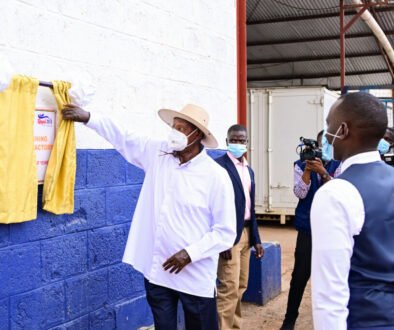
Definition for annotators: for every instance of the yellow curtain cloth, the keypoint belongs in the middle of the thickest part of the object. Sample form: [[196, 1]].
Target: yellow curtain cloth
[[58, 192], [18, 167]]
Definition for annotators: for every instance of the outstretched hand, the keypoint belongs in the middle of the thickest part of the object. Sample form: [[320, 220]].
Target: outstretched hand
[[75, 113], [177, 262]]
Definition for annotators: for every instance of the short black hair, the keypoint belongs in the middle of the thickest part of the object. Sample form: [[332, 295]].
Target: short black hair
[[390, 129], [236, 128], [320, 134], [366, 113]]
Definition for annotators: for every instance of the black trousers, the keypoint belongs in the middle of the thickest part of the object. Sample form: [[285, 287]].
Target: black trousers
[[301, 274], [200, 312]]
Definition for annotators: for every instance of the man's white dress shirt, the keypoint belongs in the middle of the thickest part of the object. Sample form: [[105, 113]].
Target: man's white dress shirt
[[337, 215], [188, 206]]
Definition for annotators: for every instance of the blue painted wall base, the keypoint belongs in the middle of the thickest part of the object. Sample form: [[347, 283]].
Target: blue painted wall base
[[65, 271], [264, 275]]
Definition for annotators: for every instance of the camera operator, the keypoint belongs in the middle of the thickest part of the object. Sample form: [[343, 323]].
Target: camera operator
[[389, 136], [309, 176], [386, 145]]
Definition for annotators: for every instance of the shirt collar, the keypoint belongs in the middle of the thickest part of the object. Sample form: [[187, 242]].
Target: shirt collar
[[195, 160], [236, 161], [362, 158]]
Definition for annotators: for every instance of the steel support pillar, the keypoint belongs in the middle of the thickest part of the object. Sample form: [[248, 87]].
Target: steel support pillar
[[343, 28], [342, 44], [241, 63]]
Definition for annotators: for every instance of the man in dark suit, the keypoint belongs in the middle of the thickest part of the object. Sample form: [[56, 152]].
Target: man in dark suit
[[233, 268]]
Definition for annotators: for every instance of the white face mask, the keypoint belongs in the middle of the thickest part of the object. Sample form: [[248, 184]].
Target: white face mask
[[335, 135], [177, 141]]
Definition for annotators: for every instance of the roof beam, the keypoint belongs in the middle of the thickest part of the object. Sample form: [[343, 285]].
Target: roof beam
[[308, 58], [307, 17], [382, 50], [371, 87], [304, 40], [316, 76]]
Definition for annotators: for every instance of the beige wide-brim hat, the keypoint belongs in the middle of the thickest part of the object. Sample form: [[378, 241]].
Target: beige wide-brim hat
[[195, 115]]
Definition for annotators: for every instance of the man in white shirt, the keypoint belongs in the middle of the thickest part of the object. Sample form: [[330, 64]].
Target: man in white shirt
[[353, 223], [185, 214]]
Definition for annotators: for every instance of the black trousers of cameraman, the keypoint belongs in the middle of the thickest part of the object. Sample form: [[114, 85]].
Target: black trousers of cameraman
[[301, 274]]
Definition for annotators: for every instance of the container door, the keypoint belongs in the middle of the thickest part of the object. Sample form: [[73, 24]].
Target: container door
[[257, 154], [274, 136], [293, 116]]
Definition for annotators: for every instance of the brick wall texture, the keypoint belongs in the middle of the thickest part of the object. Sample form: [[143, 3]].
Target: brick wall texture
[[142, 55], [65, 272]]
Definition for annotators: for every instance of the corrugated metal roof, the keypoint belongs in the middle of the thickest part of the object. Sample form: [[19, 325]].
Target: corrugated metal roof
[[312, 49], [294, 39], [261, 9]]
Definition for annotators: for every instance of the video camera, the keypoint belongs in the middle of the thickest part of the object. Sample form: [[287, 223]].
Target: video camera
[[389, 159], [308, 149]]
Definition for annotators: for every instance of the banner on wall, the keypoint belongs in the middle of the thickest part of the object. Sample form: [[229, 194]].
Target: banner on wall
[[44, 137]]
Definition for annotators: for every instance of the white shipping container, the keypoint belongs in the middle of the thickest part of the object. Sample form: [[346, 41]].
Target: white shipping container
[[277, 118]]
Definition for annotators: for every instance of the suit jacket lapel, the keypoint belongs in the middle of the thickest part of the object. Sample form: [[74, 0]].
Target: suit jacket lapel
[[233, 172], [251, 176], [252, 182]]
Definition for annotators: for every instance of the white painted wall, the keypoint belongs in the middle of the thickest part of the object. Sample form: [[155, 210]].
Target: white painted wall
[[142, 54]]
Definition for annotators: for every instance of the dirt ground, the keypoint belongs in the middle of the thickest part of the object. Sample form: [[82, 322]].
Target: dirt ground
[[270, 316]]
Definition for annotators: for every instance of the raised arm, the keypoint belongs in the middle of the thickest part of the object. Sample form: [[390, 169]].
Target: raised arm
[[138, 150], [302, 182]]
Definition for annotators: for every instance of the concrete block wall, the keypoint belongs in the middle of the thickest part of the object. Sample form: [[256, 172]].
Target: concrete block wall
[[142, 55], [65, 272]]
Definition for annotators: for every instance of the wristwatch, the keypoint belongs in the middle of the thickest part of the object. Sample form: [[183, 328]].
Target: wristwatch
[[324, 176]]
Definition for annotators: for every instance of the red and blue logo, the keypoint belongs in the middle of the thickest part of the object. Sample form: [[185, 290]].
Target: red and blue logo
[[44, 120]]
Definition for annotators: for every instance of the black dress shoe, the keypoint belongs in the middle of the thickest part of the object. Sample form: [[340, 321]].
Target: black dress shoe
[[288, 325]]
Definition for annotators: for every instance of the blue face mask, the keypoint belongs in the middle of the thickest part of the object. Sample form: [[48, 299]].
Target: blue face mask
[[237, 150], [327, 149], [383, 146]]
